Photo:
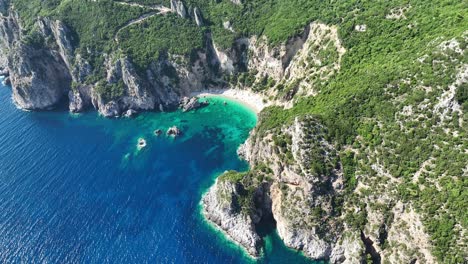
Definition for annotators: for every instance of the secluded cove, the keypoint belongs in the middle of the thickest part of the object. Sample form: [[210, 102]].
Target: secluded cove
[[77, 188]]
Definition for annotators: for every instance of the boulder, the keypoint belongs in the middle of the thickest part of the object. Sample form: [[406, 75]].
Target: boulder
[[130, 113], [111, 109], [141, 143], [7, 81]]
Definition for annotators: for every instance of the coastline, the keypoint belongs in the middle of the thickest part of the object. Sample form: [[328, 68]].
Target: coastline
[[251, 100], [223, 237]]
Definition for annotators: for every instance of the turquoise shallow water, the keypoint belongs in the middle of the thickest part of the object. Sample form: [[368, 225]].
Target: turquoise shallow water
[[75, 188]]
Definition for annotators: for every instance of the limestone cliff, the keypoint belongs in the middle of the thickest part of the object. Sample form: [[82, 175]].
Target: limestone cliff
[[39, 75], [302, 178], [232, 208], [47, 68]]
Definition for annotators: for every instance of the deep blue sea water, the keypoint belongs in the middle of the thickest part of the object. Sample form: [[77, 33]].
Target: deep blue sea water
[[75, 188]]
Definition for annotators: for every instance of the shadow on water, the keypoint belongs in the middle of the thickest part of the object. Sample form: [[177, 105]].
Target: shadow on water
[[266, 227], [275, 251]]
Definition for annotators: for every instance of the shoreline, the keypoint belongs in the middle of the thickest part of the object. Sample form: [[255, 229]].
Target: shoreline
[[224, 237], [251, 100]]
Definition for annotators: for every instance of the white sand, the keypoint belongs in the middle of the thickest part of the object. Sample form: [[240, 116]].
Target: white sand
[[253, 101]]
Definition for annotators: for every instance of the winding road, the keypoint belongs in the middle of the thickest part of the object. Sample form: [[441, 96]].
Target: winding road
[[155, 10]]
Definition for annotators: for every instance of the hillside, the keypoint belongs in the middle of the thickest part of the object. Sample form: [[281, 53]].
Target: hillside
[[363, 155]]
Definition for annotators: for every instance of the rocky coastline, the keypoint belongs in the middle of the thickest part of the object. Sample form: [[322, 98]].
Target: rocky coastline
[[280, 184]]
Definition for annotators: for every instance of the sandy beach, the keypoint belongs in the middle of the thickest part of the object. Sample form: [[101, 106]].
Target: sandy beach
[[253, 101]]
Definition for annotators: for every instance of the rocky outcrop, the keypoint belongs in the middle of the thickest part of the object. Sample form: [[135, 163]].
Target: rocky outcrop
[[198, 17], [189, 104], [221, 206], [110, 109], [174, 131], [301, 194], [178, 7], [237, 2], [130, 113], [80, 98], [39, 75], [39, 78]]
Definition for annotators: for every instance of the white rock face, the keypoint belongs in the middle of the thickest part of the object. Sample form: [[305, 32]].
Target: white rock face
[[296, 237], [360, 28], [296, 192], [138, 96], [348, 250], [39, 76], [238, 226], [405, 218], [179, 7], [80, 98], [308, 66], [198, 17], [225, 61]]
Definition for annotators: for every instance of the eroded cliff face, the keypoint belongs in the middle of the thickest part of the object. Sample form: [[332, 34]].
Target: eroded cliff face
[[39, 78], [310, 200], [228, 205], [47, 68], [293, 68], [301, 180], [39, 75]]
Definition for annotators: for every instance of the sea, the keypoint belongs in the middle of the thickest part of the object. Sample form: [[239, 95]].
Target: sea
[[75, 188]]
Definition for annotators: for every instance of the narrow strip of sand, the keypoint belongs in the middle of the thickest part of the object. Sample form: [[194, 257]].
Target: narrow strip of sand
[[253, 101]]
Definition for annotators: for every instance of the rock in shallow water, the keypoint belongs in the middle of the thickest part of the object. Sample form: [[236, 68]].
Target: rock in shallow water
[[174, 131], [189, 104], [130, 113], [7, 81], [4, 72], [158, 132]]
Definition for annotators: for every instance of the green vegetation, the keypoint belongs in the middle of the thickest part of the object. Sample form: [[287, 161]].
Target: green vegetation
[[246, 183], [462, 96], [360, 106], [156, 37], [110, 91]]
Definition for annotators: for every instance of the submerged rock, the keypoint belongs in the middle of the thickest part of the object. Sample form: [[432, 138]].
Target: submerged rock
[[158, 132], [174, 131]]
